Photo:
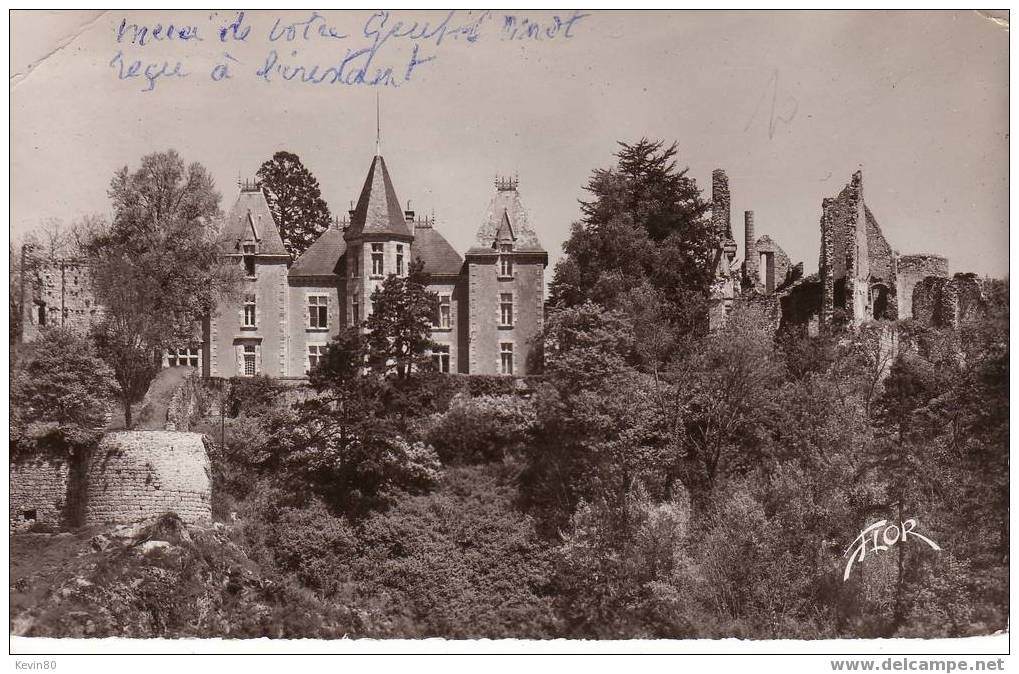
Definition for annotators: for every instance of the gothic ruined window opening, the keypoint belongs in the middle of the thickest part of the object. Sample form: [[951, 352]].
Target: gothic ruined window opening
[[505, 261], [249, 259], [506, 358], [42, 314], [318, 311], [249, 310], [506, 309], [440, 356], [315, 354], [445, 311], [377, 260], [249, 360], [399, 259]]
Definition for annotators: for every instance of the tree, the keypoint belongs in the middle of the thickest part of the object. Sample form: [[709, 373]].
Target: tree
[[295, 201], [400, 324], [156, 268], [645, 224], [60, 389]]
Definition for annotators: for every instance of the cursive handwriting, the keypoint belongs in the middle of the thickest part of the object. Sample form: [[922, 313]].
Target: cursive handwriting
[[380, 48]]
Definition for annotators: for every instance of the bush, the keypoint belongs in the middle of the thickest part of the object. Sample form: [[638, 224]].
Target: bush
[[252, 395], [480, 429]]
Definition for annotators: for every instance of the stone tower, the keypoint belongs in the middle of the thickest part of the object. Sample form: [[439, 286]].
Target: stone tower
[[250, 336], [378, 240], [844, 264], [505, 289]]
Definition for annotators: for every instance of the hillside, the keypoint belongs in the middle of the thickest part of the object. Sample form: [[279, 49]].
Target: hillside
[[160, 580]]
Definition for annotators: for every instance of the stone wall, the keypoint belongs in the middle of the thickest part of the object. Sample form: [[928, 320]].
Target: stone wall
[[486, 335], [844, 264], [41, 491], [775, 275], [137, 475], [912, 269], [59, 292]]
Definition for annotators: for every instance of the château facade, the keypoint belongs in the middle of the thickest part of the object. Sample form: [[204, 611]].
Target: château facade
[[491, 301]]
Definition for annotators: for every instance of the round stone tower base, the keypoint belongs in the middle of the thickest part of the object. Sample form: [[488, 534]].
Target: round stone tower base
[[138, 475]]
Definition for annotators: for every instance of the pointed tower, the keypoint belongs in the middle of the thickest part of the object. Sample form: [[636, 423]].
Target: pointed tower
[[246, 337], [378, 240], [505, 289]]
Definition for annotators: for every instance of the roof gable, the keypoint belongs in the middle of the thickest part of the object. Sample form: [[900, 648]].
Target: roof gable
[[250, 220], [506, 213]]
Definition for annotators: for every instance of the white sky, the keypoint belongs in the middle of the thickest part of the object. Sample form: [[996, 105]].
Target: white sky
[[789, 103]]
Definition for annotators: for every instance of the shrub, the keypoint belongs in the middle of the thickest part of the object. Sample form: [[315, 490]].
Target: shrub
[[252, 395], [483, 428]]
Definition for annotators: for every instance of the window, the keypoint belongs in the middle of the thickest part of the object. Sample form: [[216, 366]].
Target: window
[[249, 259], [42, 314], [505, 261], [399, 259], [249, 311], [505, 309], [354, 262], [377, 266], [249, 360], [445, 312], [440, 356], [315, 354], [182, 358], [355, 312], [506, 357], [318, 311]]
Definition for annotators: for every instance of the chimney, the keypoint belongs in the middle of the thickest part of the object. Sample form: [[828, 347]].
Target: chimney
[[720, 204], [408, 215], [750, 260]]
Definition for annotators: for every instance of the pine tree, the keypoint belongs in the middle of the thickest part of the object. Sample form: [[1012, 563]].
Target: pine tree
[[645, 226], [295, 201]]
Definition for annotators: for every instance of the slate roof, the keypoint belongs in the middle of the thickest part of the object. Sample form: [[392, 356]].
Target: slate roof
[[378, 209], [433, 249], [250, 219], [506, 208], [322, 258]]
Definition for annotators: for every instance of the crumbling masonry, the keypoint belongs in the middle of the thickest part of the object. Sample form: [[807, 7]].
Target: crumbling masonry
[[860, 277]]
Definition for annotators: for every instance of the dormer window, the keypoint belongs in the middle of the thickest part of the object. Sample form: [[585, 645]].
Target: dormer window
[[249, 260], [505, 260]]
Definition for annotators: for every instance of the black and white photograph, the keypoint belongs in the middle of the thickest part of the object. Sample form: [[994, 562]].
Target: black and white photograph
[[509, 331]]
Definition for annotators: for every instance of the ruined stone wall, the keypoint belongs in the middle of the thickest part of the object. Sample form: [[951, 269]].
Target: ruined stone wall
[[137, 475], [882, 269], [946, 303], [40, 486], [844, 264], [912, 269], [59, 293], [778, 274]]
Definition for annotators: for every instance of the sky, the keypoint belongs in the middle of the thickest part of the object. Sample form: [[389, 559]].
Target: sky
[[790, 104]]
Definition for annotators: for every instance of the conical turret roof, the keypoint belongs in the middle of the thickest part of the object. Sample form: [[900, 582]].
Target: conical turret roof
[[378, 209]]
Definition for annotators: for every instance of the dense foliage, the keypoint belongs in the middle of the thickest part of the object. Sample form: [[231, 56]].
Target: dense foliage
[[658, 481], [156, 267], [60, 392]]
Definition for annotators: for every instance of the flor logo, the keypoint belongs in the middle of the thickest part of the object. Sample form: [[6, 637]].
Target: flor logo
[[889, 534]]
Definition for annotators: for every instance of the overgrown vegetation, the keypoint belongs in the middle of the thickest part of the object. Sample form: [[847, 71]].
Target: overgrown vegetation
[[657, 481]]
